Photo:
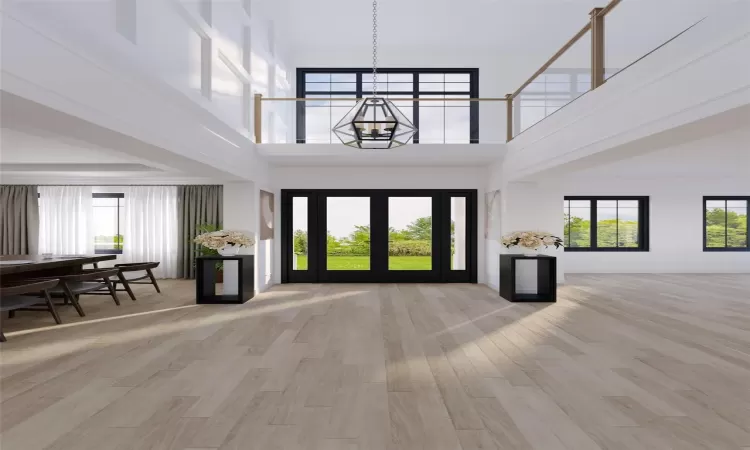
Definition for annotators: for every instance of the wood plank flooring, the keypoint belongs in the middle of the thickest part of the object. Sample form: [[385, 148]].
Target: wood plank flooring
[[620, 362]]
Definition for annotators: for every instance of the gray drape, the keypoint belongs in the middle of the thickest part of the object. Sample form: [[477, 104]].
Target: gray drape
[[196, 206], [19, 223]]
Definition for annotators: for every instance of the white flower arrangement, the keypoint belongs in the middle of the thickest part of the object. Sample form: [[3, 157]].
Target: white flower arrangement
[[531, 239], [216, 240]]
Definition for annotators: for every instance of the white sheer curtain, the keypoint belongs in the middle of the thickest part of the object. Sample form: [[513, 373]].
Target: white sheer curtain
[[66, 220], [150, 227]]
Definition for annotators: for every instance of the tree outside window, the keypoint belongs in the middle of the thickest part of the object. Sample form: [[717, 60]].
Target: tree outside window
[[725, 225]]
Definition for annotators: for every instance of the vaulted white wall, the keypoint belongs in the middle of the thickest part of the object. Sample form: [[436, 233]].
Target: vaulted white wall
[[162, 71]]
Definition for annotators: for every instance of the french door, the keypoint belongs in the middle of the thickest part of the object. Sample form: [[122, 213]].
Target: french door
[[379, 236]]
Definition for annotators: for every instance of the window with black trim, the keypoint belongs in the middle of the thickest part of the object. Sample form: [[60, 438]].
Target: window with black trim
[[606, 223], [108, 223], [437, 121], [725, 223]]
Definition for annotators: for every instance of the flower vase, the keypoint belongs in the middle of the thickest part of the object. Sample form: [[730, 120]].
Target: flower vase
[[525, 251], [229, 250]]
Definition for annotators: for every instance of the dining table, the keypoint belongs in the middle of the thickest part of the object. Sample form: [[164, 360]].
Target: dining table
[[18, 267]]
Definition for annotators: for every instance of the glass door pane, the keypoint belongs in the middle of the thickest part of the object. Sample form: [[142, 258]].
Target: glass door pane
[[300, 247], [458, 233], [348, 234], [410, 233]]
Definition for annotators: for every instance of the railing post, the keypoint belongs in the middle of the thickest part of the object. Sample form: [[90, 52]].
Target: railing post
[[258, 118], [597, 48], [509, 120]]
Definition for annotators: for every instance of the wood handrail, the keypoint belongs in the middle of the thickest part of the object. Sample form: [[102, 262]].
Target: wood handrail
[[610, 6], [554, 58], [406, 99], [596, 26], [601, 13], [258, 122]]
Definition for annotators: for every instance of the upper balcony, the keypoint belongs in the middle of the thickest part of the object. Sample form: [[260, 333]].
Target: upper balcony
[[687, 80], [454, 126], [604, 55]]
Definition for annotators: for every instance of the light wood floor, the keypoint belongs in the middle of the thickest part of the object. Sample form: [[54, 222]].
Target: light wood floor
[[620, 362]]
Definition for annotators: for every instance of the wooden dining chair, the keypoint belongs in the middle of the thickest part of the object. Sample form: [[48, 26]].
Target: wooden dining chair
[[135, 267], [88, 282], [13, 298]]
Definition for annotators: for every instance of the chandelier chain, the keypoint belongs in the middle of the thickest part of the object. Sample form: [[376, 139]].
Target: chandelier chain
[[374, 48]]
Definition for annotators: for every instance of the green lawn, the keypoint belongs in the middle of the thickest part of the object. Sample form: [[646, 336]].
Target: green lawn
[[363, 262], [410, 263]]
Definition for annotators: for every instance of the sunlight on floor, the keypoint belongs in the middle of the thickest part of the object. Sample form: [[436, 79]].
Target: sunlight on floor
[[93, 321], [224, 314], [470, 322], [548, 318]]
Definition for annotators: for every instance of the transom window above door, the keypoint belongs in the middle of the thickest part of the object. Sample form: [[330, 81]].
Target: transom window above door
[[451, 122]]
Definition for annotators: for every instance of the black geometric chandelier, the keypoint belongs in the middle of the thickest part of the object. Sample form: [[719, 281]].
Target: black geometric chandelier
[[374, 122]]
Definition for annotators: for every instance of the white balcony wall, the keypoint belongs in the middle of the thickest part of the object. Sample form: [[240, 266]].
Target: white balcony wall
[[697, 76]]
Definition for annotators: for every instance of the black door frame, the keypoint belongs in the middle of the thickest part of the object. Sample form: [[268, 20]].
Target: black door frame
[[378, 273]]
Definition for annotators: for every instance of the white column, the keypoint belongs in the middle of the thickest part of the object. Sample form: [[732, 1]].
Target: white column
[[239, 214], [531, 206], [239, 209], [265, 260]]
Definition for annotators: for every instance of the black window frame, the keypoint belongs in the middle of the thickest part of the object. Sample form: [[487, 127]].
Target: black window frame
[[414, 93], [725, 198], [118, 196], [643, 224]]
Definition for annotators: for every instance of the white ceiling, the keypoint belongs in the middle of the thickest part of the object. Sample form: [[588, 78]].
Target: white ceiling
[[37, 147], [42, 145], [40, 155]]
